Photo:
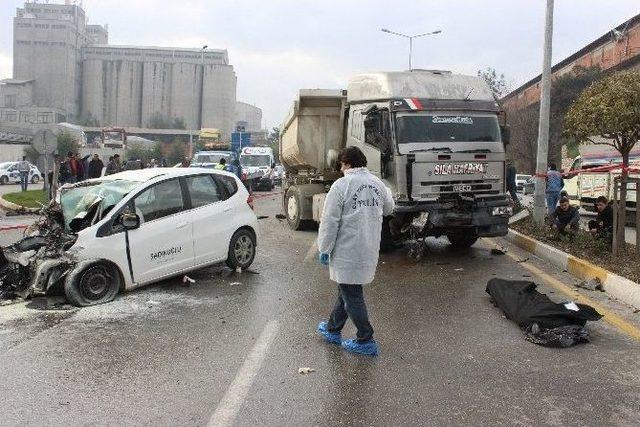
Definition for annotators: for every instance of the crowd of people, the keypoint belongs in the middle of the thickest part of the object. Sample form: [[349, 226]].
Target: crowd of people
[[562, 215]]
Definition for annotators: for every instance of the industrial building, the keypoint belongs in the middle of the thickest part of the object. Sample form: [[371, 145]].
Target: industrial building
[[248, 116], [64, 70]]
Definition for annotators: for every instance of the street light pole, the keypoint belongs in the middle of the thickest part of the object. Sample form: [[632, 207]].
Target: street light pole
[[384, 30], [543, 127]]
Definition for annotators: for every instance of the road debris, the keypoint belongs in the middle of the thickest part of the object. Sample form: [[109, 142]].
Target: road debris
[[496, 251], [186, 280], [238, 270], [593, 284], [458, 269], [305, 371], [235, 284]]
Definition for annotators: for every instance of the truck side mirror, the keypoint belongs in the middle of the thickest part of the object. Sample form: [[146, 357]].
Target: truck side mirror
[[506, 134]]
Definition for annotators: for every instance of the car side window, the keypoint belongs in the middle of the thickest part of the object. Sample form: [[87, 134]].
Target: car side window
[[228, 183], [203, 190], [160, 200]]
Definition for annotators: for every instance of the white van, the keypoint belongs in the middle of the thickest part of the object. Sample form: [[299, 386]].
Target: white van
[[258, 165], [136, 227]]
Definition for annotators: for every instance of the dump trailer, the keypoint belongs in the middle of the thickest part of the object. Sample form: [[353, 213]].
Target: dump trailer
[[436, 139]]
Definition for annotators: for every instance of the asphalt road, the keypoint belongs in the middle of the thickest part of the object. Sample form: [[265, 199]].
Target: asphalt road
[[227, 349]]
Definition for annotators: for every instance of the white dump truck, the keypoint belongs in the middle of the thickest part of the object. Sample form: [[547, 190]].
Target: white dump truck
[[434, 138]]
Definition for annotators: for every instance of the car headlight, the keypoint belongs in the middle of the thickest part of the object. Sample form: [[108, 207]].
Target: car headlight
[[502, 211]]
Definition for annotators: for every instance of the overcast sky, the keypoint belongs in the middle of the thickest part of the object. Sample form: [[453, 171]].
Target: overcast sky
[[279, 46]]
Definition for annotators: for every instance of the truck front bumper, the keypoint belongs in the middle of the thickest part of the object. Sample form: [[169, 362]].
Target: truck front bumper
[[487, 217]]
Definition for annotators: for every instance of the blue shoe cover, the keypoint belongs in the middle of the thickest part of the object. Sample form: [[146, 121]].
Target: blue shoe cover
[[369, 348], [330, 337]]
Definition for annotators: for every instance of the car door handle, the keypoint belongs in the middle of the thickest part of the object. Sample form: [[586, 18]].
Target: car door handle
[[226, 209], [182, 225]]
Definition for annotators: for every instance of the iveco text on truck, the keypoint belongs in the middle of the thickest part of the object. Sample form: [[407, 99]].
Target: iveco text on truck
[[434, 138]]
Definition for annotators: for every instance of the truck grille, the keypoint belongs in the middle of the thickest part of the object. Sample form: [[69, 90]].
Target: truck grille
[[475, 187]]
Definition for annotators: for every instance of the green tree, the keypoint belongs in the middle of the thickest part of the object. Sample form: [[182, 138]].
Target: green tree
[[497, 83], [67, 143], [609, 109]]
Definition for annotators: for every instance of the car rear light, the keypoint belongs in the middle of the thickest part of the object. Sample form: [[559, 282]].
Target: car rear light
[[250, 201]]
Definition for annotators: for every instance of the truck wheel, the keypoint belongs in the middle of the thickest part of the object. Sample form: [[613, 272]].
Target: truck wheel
[[293, 209], [461, 239], [97, 283], [242, 250], [4, 180]]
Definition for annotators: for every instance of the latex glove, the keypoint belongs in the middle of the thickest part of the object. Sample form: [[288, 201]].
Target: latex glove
[[323, 258]]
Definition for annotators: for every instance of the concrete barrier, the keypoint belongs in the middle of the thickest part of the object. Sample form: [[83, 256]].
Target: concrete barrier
[[13, 207], [617, 286]]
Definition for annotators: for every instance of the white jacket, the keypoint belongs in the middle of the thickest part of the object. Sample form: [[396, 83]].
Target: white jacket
[[351, 225]]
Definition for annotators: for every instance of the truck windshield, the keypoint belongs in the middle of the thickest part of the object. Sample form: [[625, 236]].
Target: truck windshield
[[446, 127], [255, 160], [211, 158]]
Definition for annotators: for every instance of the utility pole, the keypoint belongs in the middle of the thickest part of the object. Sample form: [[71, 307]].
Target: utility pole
[[543, 126], [46, 167]]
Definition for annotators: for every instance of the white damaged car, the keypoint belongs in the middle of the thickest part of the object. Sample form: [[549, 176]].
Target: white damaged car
[[130, 229]]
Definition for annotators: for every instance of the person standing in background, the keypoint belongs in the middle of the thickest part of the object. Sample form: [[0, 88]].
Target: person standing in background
[[95, 167], [555, 183], [24, 168], [511, 184]]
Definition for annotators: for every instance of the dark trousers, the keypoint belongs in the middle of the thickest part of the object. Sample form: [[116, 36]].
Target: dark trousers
[[24, 180], [350, 304], [514, 196]]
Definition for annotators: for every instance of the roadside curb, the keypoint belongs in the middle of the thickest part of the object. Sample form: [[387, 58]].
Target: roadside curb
[[617, 286], [13, 207]]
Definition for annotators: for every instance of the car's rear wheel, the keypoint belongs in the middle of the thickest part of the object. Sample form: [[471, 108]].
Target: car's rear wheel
[[96, 283], [35, 179], [242, 250], [4, 180]]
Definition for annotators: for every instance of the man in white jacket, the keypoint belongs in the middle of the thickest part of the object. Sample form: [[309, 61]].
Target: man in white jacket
[[349, 243]]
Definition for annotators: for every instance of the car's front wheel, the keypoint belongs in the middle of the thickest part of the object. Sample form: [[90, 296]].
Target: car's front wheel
[[461, 240], [92, 284], [4, 180], [242, 250], [35, 179]]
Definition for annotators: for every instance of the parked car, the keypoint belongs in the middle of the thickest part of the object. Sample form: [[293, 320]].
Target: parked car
[[133, 228], [529, 187], [520, 181], [9, 173]]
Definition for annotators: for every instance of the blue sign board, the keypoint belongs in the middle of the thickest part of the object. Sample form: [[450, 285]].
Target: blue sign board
[[237, 137]]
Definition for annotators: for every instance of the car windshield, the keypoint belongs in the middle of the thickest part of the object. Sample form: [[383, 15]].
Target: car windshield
[[446, 127], [255, 160], [99, 195], [211, 157]]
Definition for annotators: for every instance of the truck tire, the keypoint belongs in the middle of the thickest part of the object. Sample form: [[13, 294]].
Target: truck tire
[[95, 283], [460, 240], [242, 249], [4, 180], [293, 209]]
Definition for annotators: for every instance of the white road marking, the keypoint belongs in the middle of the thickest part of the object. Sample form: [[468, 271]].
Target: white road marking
[[237, 392], [312, 252]]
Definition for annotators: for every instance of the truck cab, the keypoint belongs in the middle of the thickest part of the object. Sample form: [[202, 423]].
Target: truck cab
[[435, 139]]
